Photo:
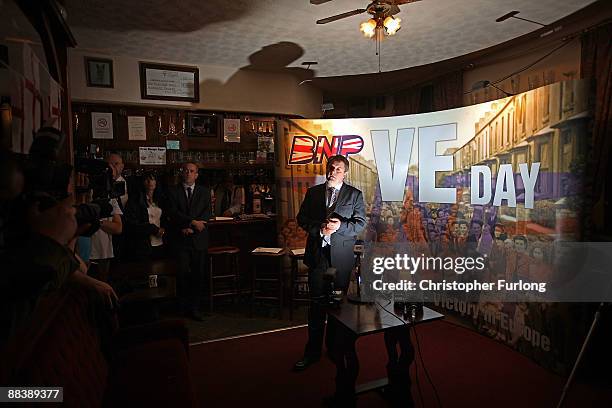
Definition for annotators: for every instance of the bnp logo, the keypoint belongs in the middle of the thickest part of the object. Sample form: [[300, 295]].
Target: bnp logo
[[307, 149]]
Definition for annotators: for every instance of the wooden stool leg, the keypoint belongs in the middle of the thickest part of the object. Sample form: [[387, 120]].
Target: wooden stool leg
[[236, 276], [281, 287], [211, 290], [292, 286], [253, 276]]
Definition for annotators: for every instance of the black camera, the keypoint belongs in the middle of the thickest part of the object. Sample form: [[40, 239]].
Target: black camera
[[100, 177], [47, 180]]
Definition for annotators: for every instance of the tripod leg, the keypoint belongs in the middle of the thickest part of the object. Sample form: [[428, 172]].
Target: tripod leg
[[584, 346]]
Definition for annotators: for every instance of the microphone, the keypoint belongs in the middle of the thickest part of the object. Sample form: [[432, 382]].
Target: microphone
[[358, 247]]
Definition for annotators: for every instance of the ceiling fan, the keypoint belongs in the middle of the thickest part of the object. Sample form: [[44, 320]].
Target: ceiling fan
[[379, 9]]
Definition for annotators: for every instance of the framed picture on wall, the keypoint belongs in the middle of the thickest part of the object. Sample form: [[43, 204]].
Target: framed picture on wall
[[202, 124], [99, 72], [169, 82]]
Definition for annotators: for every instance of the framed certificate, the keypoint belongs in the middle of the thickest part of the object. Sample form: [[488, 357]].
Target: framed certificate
[[169, 82], [99, 72]]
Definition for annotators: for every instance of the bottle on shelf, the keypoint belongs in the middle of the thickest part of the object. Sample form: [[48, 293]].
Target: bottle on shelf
[[213, 201], [242, 199], [257, 200]]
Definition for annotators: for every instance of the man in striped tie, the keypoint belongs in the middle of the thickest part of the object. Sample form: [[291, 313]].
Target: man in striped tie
[[332, 214]]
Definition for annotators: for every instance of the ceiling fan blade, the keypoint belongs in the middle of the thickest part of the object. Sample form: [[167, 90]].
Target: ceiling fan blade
[[400, 2], [394, 9], [340, 16], [317, 2]]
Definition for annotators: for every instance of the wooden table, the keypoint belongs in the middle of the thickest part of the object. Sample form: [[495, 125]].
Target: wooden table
[[351, 321]]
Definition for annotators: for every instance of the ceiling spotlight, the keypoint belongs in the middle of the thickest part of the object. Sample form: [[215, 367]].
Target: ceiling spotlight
[[513, 14], [309, 63]]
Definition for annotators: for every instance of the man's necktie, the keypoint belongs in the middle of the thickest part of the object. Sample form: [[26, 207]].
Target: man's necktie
[[332, 196], [189, 195]]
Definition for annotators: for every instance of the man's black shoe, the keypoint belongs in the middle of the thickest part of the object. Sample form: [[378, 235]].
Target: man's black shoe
[[304, 363]]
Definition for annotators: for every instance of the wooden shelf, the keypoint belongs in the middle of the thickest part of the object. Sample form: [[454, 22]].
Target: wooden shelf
[[223, 166]]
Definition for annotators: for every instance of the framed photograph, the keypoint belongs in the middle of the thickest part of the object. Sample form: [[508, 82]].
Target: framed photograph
[[202, 124], [169, 82], [99, 72]]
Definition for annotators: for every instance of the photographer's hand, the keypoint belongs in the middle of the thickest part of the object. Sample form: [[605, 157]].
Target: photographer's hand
[[58, 222], [104, 289]]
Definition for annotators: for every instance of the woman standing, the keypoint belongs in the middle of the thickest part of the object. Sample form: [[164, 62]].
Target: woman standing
[[145, 221]]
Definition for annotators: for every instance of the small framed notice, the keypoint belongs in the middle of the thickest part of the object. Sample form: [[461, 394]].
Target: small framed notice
[[152, 155], [173, 144], [137, 128], [102, 125], [169, 82], [231, 130]]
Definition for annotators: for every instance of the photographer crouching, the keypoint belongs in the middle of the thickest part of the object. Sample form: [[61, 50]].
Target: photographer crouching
[[39, 227]]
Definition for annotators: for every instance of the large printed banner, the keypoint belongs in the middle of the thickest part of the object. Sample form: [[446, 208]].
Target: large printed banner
[[475, 211]]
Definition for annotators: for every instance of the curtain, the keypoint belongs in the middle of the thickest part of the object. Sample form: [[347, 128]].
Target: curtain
[[443, 92], [448, 91], [407, 102], [596, 63]]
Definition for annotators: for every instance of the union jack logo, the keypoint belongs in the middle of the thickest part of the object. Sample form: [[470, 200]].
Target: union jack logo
[[306, 149]]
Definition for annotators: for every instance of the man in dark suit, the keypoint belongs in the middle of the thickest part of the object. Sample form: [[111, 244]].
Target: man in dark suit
[[333, 214], [189, 211]]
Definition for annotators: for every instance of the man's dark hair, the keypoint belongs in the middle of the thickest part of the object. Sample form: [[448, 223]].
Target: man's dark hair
[[337, 158], [183, 165]]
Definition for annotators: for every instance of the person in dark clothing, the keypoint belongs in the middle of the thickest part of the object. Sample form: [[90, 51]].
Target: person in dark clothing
[[145, 222], [189, 211], [333, 214]]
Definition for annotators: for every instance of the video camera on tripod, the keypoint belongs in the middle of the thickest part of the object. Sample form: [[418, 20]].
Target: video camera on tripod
[[47, 179]]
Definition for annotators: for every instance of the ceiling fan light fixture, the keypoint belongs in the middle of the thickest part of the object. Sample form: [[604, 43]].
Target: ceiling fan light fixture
[[368, 28], [392, 24]]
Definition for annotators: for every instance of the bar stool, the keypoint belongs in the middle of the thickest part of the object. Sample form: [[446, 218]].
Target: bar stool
[[266, 282], [298, 284], [230, 272]]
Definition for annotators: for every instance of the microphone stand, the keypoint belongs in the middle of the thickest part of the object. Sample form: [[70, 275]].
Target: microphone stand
[[356, 298]]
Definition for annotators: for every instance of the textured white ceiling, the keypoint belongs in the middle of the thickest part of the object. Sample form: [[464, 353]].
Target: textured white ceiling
[[227, 32]]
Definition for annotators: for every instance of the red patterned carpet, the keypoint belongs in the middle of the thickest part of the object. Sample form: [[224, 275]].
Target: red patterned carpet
[[468, 370]]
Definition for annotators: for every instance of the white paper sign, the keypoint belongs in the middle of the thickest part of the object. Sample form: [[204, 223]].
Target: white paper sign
[[152, 155], [102, 125], [231, 130], [137, 128], [161, 82]]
